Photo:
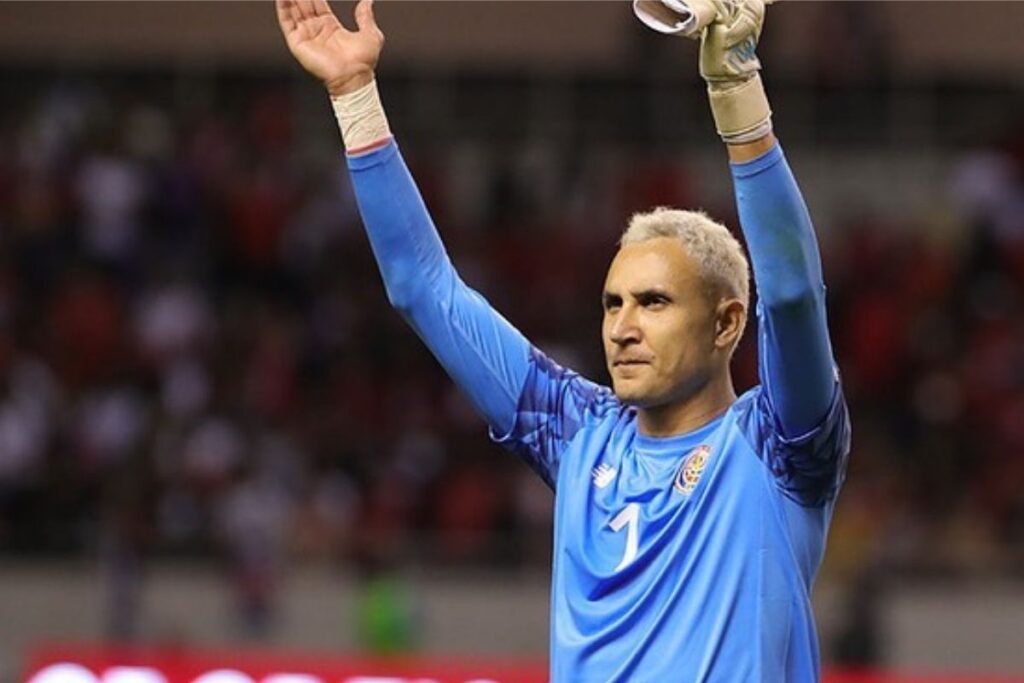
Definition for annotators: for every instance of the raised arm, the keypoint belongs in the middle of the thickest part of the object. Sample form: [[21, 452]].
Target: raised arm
[[801, 423], [796, 364], [797, 368], [509, 381], [484, 354]]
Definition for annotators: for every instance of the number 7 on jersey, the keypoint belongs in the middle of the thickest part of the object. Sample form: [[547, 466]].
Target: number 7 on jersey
[[629, 518]]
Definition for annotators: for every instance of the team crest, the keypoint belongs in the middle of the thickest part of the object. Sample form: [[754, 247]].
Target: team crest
[[691, 469]]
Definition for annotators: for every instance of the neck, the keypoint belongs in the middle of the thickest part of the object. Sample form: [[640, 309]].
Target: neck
[[691, 413]]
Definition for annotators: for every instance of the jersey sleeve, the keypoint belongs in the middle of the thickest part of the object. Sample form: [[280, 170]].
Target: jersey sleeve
[[802, 423], [554, 406], [529, 403]]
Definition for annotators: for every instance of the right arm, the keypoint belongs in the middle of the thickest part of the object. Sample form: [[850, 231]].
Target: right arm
[[483, 353], [531, 404]]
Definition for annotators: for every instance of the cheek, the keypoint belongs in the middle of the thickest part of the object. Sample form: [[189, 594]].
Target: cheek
[[685, 343]]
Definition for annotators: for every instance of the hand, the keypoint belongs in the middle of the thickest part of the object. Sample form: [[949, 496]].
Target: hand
[[344, 60], [728, 47], [729, 31], [729, 64]]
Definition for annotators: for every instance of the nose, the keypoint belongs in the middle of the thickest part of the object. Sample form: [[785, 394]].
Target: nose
[[623, 329]]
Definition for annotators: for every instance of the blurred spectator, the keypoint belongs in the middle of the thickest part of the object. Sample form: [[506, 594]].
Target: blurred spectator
[[196, 355], [253, 521]]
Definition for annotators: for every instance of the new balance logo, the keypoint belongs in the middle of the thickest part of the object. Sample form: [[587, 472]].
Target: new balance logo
[[603, 475]]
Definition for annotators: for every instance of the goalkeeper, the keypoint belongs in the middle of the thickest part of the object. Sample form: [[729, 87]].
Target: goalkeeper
[[689, 522]]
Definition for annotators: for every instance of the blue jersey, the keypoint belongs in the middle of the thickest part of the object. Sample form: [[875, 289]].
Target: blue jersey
[[688, 558]]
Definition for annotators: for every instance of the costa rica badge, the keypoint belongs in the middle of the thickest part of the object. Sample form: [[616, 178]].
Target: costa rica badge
[[691, 468]]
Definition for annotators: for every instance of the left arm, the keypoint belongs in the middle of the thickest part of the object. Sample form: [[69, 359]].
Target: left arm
[[801, 418], [797, 370], [797, 367]]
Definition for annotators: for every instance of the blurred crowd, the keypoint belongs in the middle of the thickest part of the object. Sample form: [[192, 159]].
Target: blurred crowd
[[197, 357]]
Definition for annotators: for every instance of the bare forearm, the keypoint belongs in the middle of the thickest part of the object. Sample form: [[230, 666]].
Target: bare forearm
[[748, 151]]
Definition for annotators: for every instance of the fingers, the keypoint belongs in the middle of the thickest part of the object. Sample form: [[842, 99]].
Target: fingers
[[364, 17], [739, 31], [303, 9], [304, 19], [320, 8], [746, 24], [285, 17]]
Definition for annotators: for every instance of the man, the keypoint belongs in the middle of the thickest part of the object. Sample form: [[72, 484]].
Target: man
[[689, 523]]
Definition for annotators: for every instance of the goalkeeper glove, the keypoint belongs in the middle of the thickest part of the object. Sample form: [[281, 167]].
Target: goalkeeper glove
[[729, 65], [729, 30]]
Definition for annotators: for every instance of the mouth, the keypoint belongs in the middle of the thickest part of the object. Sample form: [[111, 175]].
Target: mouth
[[629, 363]]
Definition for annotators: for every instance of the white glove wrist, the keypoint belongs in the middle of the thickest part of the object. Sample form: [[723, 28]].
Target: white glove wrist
[[740, 109]]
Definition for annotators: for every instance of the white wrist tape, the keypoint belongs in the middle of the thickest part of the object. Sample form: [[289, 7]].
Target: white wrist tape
[[361, 119]]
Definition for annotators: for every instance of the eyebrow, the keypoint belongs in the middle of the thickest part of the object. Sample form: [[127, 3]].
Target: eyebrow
[[640, 295], [652, 292]]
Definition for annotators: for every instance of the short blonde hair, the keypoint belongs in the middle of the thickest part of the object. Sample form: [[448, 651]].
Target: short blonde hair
[[718, 254]]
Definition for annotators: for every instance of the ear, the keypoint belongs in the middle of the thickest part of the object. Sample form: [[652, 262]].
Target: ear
[[730, 319]]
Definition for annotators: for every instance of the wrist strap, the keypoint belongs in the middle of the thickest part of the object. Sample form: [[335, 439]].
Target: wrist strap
[[741, 110], [361, 118]]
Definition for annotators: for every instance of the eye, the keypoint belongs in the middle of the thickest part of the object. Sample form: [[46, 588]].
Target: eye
[[654, 302], [612, 304]]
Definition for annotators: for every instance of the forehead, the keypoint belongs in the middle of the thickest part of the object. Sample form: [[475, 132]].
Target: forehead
[[661, 262]]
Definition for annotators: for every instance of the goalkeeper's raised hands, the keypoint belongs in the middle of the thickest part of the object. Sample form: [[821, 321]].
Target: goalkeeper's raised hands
[[344, 60]]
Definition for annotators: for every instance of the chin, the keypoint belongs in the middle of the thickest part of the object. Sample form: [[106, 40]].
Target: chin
[[634, 396]]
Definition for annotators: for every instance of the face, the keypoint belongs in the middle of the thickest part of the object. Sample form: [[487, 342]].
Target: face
[[662, 334]]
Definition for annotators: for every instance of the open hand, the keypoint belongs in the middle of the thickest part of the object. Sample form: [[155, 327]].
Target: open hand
[[344, 60]]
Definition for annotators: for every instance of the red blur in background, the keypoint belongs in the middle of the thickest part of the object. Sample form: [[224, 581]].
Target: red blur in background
[[75, 663]]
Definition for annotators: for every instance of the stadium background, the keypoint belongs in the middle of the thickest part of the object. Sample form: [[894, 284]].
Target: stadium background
[[215, 433]]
